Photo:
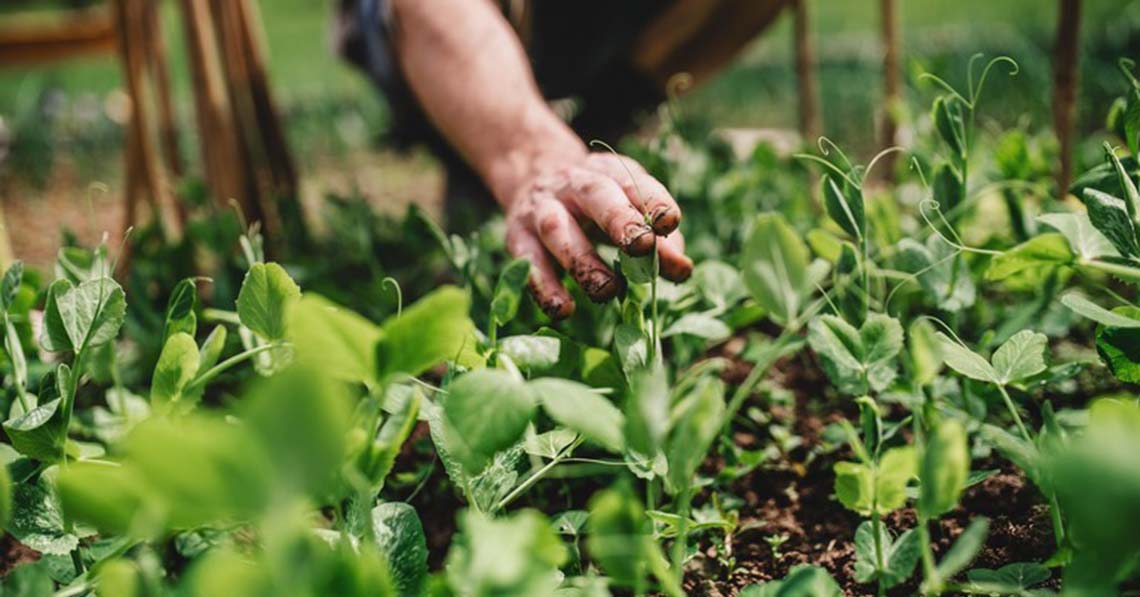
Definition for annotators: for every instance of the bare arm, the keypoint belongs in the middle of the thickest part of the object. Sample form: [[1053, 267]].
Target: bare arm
[[470, 74]]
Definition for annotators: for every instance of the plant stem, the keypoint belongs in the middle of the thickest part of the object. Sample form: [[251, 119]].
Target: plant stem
[[877, 529], [221, 367], [929, 572], [536, 476], [1016, 417], [655, 348], [681, 543]]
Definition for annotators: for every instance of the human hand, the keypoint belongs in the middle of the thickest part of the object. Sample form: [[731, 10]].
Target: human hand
[[615, 193]]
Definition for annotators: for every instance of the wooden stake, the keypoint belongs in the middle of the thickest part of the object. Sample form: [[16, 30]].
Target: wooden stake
[[1065, 76], [810, 126]]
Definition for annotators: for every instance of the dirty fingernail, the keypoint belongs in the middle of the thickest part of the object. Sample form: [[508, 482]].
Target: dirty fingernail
[[638, 239], [665, 220]]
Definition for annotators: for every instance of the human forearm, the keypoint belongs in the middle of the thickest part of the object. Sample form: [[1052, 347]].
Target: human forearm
[[470, 74]]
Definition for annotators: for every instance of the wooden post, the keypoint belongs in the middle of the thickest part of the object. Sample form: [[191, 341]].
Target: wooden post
[[810, 126], [892, 98], [1065, 74]]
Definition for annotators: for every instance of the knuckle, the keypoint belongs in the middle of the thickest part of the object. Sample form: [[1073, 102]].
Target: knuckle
[[548, 223]]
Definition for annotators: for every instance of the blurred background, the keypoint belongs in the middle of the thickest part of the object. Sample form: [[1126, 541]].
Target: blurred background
[[62, 124]]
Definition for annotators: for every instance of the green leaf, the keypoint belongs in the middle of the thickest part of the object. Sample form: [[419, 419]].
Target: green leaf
[[801, 581], [334, 340], [180, 316], [1110, 216], [1119, 347], [637, 270], [1127, 185], [965, 361], [965, 549], [632, 348], [400, 536], [37, 521], [857, 361], [1038, 255], [488, 410], [434, 329], [1022, 356], [1010, 578], [532, 353], [177, 366], [39, 433], [865, 489], [718, 282], [774, 264], [508, 291], [618, 536], [515, 555], [5, 497], [82, 316], [949, 121], [845, 206], [212, 348], [699, 418], [1090, 310], [118, 577], [947, 186], [1084, 239], [925, 352], [899, 556], [263, 303], [577, 407], [647, 411], [550, 444], [944, 469], [701, 325], [10, 285]]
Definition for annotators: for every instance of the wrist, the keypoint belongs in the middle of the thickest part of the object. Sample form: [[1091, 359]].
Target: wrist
[[541, 142]]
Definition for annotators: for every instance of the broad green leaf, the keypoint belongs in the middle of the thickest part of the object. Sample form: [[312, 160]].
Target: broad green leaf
[[488, 410], [899, 556], [1084, 239], [515, 555], [647, 411], [632, 348], [180, 316], [950, 123], [1011, 578], [865, 489], [118, 577], [1042, 253], [965, 549], [263, 303], [944, 276], [857, 361], [39, 433], [965, 361], [532, 353], [334, 340], [774, 264], [925, 352], [400, 536], [701, 325], [1022, 356], [618, 536], [508, 291], [434, 329], [379, 458], [638, 270], [37, 521], [844, 204], [177, 366], [718, 282], [944, 469], [801, 581], [1127, 185], [947, 187], [578, 407], [1110, 216], [1086, 308], [10, 285], [699, 418], [550, 444], [82, 316], [212, 347], [1119, 347]]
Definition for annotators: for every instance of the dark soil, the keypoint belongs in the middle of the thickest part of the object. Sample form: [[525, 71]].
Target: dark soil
[[13, 554], [795, 498]]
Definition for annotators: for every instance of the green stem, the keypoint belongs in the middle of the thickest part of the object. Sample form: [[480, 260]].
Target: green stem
[[536, 476], [681, 542], [655, 348], [929, 571], [877, 529], [1058, 524], [1013, 411], [221, 367]]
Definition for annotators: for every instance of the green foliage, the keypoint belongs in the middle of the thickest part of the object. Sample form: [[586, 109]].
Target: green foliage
[[400, 538], [857, 361], [486, 411], [577, 407], [943, 469], [876, 488], [776, 269], [436, 328], [267, 294], [519, 555], [801, 581], [899, 555], [508, 291]]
